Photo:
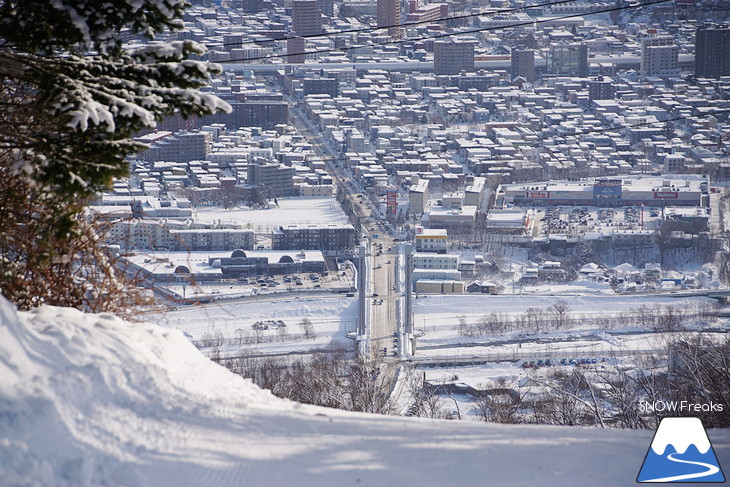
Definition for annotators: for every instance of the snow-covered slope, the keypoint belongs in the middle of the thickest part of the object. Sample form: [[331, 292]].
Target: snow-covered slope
[[90, 400]]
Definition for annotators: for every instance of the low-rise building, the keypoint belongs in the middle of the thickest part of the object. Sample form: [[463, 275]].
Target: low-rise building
[[428, 260], [439, 286], [431, 240], [148, 234], [201, 267], [325, 237]]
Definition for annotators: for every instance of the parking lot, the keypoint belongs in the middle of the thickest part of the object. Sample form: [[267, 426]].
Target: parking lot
[[572, 220], [341, 280]]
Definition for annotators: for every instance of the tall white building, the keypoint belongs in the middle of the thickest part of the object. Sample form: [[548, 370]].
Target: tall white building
[[659, 56]]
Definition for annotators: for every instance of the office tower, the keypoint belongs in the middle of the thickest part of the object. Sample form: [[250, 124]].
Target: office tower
[[523, 64], [568, 60], [327, 7], [295, 50], [388, 13], [453, 57], [712, 52], [601, 89], [306, 17], [659, 56]]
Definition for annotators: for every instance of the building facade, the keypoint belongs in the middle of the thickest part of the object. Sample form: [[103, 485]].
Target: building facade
[[388, 14], [295, 50], [433, 240], [659, 56], [325, 237], [453, 57], [306, 17], [568, 60], [523, 64], [601, 89], [712, 52], [274, 177]]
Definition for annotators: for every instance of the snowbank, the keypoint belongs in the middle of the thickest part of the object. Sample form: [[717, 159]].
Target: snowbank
[[90, 400]]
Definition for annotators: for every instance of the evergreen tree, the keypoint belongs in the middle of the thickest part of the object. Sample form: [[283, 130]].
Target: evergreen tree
[[73, 95]]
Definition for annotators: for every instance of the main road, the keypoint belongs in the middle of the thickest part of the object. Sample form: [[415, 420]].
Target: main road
[[382, 330]]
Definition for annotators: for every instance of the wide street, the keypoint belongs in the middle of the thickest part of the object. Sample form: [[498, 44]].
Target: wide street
[[380, 294]]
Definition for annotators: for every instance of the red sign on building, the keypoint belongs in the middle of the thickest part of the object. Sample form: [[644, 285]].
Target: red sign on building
[[391, 202]]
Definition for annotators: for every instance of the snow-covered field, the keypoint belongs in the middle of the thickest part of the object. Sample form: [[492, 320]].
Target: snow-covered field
[[90, 400], [331, 318], [289, 211], [438, 318]]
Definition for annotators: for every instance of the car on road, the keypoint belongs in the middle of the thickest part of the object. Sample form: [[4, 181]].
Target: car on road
[[376, 295]]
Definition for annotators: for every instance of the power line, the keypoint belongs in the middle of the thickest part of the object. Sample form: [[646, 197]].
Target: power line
[[410, 24], [439, 36]]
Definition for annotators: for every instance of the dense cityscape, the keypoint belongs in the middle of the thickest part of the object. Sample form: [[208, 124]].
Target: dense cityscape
[[508, 211]]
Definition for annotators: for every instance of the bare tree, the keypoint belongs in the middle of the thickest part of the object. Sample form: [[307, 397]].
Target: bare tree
[[369, 385], [308, 329], [560, 312]]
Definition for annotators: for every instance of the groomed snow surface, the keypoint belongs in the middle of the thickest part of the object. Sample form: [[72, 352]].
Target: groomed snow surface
[[91, 400]]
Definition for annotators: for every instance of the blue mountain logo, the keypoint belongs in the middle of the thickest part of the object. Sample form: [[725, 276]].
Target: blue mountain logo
[[680, 452]]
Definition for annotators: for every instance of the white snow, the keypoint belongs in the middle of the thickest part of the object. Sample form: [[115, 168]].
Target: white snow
[[331, 318], [91, 400], [680, 433], [289, 211]]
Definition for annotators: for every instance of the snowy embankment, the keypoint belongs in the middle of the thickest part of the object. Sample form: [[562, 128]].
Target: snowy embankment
[[90, 400]]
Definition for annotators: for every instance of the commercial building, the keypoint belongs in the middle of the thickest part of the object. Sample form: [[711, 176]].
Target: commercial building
[[264, 114], [523, 64], [439, 286], [431, 240], [418, 195], [388, 14], [306, 17], [146, 234], [441, 217], [295, 50], [712, 52], [513, 220], [276, 178], [475, 190], [325, 237], [668, 190], [428, 12], [567, 60], [601, 89], [320, 86], [659, 56], [181, 147], [202, 267], [430, 260], [327, 7], [453, 57]]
